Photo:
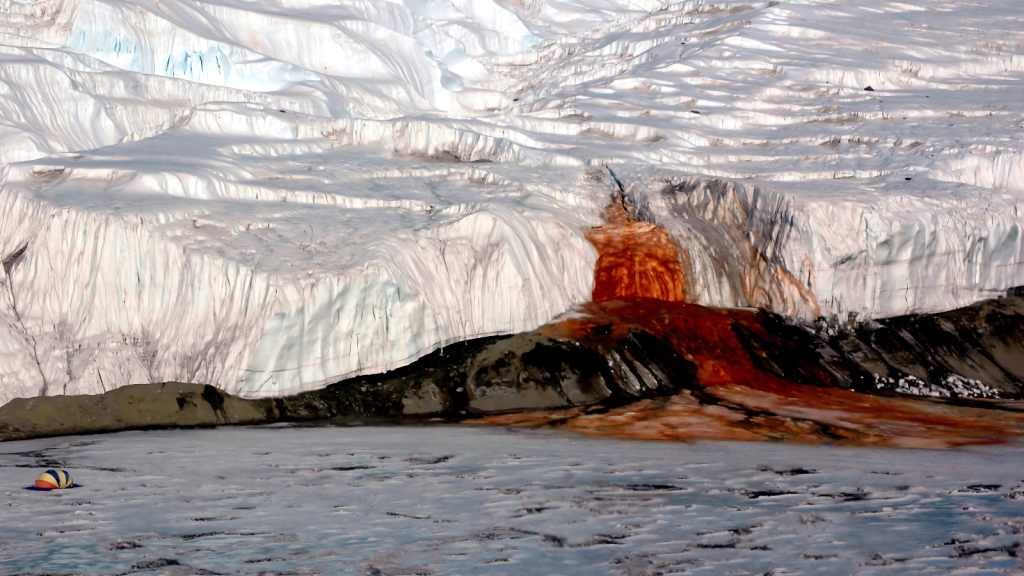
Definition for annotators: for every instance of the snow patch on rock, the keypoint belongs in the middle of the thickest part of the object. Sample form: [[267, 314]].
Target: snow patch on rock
[[954, 386]]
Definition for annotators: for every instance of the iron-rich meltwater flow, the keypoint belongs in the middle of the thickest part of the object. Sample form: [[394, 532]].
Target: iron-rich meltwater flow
[[751, 375]]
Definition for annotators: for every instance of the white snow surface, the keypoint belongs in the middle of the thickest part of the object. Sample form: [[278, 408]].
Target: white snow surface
[[268, 196], [464, 501]]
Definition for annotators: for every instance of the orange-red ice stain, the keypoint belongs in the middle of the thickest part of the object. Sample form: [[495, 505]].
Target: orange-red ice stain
[[635, 259], [639, 284]]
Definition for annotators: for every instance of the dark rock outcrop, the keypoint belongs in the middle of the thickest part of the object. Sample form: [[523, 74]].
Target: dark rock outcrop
[[977, 351], [527, 371], [494, 375], [973, 351], [170, 404]]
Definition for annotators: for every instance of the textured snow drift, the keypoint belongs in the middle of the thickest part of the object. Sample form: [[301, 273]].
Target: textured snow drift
[[267, 196], [468, 501]]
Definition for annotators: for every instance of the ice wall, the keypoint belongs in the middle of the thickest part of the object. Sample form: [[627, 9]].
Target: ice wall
[[268, 196], [272, 277], [851, 251]]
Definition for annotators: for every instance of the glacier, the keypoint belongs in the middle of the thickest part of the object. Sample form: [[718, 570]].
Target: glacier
[[272, 196]]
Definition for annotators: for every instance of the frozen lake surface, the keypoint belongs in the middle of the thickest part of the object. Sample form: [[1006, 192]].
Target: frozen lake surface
[[460, 500]]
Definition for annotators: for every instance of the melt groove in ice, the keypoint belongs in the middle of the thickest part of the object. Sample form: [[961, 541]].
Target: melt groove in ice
[[269, 196]]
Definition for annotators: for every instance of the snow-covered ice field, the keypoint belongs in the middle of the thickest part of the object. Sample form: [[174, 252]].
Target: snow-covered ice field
[[461, 500], [269, 196]]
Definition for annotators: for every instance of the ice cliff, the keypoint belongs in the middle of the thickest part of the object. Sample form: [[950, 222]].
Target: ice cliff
[[271, 196]]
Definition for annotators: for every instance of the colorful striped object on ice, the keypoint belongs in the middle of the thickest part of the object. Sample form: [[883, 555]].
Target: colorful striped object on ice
[[54, 479]]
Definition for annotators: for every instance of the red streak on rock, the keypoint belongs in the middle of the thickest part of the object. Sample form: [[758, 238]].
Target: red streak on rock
[[635, 259], [639, 284], [751, 404]]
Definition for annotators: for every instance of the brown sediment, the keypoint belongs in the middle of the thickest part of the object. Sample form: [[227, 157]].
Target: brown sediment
[[681, 418], [763, 280], [639, 285]]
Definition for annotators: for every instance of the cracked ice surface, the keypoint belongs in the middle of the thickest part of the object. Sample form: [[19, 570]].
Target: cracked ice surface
[[454, 500], [269, 196]]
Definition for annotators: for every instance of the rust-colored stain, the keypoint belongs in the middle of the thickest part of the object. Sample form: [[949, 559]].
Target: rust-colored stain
[[639, 285], [732, 399], [635, 259]]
